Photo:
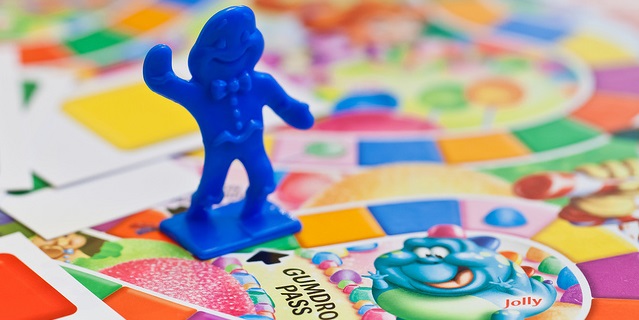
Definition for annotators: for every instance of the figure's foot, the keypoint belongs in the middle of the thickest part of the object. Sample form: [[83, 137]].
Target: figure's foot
[[222, 231], [201, 205], [196, 213], [252, 210]]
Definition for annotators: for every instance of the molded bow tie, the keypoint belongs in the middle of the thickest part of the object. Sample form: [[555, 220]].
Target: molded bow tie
[[221, 88]]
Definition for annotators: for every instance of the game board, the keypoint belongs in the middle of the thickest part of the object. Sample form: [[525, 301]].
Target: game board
[[513, 120], [90, 35]]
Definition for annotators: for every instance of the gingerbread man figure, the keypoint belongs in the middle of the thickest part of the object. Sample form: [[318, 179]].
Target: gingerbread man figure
[[225, 96]]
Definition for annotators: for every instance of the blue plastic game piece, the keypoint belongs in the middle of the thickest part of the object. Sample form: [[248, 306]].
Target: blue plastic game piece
[[226, 96], [505, 217]]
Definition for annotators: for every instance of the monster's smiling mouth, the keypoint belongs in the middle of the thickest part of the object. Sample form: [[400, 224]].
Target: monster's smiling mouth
[[463, 278]]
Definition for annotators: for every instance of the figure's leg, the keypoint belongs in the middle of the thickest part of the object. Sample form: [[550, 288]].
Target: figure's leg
[[210, 191], [261, 181]]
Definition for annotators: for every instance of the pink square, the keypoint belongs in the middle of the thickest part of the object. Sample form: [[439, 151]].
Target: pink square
[[538, 215], [329, 150]]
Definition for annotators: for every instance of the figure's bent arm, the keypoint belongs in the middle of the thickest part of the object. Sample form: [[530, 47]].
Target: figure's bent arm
[[293, 112], [159, 76]]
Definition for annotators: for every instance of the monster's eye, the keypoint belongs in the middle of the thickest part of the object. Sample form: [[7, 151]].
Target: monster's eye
[[220, 44], [440, 252], [244, 37], [421, 252]]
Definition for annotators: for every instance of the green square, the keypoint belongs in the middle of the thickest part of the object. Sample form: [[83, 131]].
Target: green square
[[95, 41], [555, 134], [101, 288], [15, 226]]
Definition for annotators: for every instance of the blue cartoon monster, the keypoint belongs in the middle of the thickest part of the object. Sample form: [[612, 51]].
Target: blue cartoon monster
[[225, 96], [455, 278]]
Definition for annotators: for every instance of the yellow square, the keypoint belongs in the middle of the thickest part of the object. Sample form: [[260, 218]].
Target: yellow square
[[597, 51], [338, 226], [132, 116], [581, 244]]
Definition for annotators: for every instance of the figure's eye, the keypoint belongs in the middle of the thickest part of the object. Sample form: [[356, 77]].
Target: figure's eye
[[220, 44], [440, 252], [421, 252], [244, 37]]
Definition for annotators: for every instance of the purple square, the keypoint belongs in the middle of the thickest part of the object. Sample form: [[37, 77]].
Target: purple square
[[4, 218], [614, 277]]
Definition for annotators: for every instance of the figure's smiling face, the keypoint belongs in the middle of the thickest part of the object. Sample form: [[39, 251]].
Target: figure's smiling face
[[229, 44], [442, 267]]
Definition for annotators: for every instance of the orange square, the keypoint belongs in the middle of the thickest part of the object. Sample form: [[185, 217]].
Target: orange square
[[133, 304], [146, 19], [43, 52], [609, 111], [612, 309], [142, 225], [338, 226], [25, 295], [473, 10], [482, 148]]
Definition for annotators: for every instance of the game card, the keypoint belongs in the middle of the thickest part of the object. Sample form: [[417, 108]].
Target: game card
[[15, 171], [55, 212], [66, 152], [34, 286], [83, 130]]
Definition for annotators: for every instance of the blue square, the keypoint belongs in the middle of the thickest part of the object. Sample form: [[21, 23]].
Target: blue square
[[380, 152], [541, 29], [409, 217]]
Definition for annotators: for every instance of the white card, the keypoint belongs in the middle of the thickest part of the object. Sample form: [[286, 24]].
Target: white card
[[15, 171], [89, 306], [67, 152], [54, 212]]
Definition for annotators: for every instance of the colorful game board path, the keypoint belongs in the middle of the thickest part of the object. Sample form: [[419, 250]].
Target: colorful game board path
[[603, 262], [116, 38], [580, 127]]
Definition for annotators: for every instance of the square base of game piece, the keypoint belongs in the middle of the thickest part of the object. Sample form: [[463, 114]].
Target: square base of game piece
[[222, 230]]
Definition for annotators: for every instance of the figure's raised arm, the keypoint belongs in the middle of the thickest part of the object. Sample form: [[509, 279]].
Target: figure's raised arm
[[293, 112], [159, 76]]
